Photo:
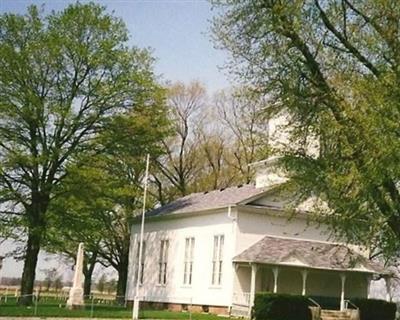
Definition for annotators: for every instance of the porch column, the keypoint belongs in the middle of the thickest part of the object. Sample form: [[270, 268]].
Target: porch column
[[276, 274], [369, 279], [254, 268], [388, 289], [343, 279], [304, 274]]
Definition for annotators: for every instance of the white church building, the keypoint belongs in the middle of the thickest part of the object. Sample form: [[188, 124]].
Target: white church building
[[213, 251]]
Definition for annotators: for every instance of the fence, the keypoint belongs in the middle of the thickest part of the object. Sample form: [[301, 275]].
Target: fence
[[56, 305], [96, 306]]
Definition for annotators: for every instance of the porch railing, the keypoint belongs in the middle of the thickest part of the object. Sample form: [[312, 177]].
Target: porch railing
[[348, 303], [241, 299], [315, 303]]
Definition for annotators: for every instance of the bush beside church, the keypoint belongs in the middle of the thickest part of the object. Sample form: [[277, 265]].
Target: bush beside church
[[268, 306]]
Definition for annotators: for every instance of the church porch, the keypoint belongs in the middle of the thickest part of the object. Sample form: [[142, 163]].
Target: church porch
[[252, 278], [301, 267]]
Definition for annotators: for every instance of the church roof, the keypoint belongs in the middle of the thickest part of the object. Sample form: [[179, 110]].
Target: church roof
[[307, 254], [208, 200]]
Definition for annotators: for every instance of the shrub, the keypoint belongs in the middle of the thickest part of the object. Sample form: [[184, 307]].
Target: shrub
[[268, 306], [371, 309]]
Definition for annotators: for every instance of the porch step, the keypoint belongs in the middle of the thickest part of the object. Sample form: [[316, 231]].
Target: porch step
[[335, 315]]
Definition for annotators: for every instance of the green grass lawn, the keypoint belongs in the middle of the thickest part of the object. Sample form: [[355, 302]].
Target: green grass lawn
[[53, 308]]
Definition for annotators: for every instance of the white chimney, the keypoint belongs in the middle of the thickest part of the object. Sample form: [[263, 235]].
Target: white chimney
[[268, 173]]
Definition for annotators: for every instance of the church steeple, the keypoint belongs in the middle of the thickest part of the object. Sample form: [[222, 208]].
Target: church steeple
[[268, 173]]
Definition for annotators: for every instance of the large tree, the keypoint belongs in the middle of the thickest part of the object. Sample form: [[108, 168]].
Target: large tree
[[75, 221], [179, 166], [126, 142], [333, 67], [61, 76], [246, 128], [101, 196], [212, 141]]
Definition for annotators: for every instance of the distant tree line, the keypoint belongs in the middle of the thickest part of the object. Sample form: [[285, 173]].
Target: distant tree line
[[10, 281], [54, 282]]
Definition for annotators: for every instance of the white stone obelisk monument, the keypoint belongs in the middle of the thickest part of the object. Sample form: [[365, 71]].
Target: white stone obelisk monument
[[75, 299]]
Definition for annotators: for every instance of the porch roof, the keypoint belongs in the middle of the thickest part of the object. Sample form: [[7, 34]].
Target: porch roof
[[307, 254]]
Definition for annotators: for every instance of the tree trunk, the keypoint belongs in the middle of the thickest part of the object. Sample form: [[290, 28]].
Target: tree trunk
[[122, 279], [88, 272], [87, 285], [36, 229], [29, 271]]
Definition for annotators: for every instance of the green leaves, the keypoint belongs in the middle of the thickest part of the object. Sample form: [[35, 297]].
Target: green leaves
[[102, 191], [62, 77], [331, 68], [68, 85]]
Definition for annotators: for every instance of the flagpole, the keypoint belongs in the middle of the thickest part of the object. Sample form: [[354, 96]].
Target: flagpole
[[135, 312]]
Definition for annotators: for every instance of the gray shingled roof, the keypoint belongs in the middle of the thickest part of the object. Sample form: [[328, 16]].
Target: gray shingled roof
[[307, 253], [208, 200]]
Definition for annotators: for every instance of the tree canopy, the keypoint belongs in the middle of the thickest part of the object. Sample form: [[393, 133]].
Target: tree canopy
[[100, 197], [62, 77], [332, 67]]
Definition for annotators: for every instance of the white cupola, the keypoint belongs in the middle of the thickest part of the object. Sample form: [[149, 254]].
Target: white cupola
[[268, 173]]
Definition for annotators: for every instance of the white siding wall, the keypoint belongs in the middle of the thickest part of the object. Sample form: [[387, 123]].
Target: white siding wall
[[203, 228], [241, 230], [252, 227]]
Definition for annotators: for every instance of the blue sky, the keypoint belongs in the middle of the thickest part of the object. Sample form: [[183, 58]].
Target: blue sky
[[178, 33], [176, 30]]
